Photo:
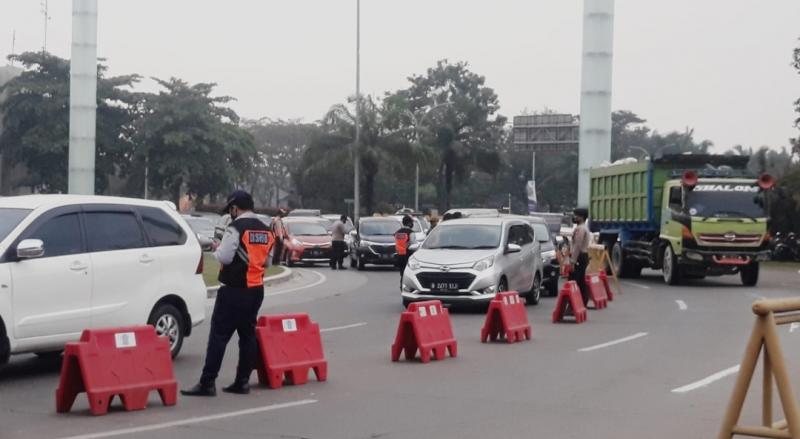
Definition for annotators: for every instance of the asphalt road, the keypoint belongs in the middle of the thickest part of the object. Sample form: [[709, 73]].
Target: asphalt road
[[656, 364]]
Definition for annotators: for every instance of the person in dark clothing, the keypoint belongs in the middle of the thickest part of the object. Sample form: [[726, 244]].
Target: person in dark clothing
[[402, 240], [243, 255], [579, 251], [338, 244]]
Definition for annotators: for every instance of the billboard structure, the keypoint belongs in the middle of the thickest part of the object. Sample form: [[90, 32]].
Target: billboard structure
[[544, 133]]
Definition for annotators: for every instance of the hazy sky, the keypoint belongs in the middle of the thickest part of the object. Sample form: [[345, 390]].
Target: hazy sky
[[720, 66]]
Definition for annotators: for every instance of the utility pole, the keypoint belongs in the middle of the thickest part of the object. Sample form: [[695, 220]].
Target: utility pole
[[416, 191], [13, 43], [356, 165]]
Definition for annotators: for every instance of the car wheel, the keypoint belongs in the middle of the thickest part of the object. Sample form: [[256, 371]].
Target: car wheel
[[502, 287], [168, 322], [361, 264], [49, 355], [352, 261], [289, 262], [670, 268], [749, 274], [535, 293]]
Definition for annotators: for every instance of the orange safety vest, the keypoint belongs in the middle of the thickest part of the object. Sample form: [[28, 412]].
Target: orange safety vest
[[401, 240]]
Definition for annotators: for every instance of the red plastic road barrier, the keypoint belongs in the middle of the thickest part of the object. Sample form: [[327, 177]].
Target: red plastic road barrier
[[128, 361], [507, 318], [570, 295], [597, 291], [290, 345], [609, 293], [424, 326]]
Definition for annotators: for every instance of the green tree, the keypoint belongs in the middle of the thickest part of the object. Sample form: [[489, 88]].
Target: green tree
[[463, 130], [796, 65], [36, 122], [381, 148], [188, 138], [280, 145]]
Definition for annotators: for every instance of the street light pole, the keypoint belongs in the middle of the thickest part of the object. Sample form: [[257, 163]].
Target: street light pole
[[356, 165], [416, 191]]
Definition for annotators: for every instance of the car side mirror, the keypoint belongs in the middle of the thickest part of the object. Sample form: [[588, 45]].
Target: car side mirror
[[513, 248], [30, 249], [413, 247], [353, 233]]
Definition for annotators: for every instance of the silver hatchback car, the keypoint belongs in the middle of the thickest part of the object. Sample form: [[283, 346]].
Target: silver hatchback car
[[467, 261]]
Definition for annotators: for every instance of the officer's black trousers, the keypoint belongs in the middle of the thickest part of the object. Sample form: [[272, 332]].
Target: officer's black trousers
[[235, 310], [579, 276]]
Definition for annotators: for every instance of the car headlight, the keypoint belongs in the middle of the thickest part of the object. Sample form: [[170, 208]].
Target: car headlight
[[413, 264], [483, 264], [366, 243], [548, 255], [296, 242]]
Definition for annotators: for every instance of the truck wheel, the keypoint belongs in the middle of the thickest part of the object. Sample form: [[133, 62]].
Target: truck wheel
[[670, 268], [749, 274], [621, 266], [5, 345]]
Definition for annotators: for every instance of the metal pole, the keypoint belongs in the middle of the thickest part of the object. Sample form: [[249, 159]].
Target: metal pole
[[416, 192], [356, 164], [146, 175], [83, 97]]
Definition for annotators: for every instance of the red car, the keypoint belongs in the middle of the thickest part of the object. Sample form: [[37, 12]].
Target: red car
[[304, 241]]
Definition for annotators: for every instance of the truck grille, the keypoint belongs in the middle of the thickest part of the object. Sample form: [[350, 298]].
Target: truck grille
[[730, 238], [429, 280]]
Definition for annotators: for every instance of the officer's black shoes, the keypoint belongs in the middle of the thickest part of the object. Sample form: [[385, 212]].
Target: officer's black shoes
[[200, 390], [237, 388]]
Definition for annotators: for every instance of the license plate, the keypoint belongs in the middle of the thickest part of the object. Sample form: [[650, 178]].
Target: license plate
[[445, 286]]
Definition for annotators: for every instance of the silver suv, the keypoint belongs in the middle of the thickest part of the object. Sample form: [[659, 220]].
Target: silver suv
[[469, 260]]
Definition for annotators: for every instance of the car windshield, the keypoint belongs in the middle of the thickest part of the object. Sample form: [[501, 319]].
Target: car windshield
[[541, 232], [10, 218], [201, 225], [725, 201], [371, 228], [464, 236], [416, 228], [307, 229]]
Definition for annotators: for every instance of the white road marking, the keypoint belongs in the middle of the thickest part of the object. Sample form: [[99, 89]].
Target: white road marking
[[321, 280], [613, 342], [194, 420], [633, 284], [682, 305], [339, 328], [707, 380], [793, 326]]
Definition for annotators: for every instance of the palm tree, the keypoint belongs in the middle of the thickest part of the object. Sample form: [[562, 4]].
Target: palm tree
[[380, 145]]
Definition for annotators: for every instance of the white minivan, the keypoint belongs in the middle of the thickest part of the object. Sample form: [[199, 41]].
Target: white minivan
[[72, 262]]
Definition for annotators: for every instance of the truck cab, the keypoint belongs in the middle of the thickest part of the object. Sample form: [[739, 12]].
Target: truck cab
[[690, 216]]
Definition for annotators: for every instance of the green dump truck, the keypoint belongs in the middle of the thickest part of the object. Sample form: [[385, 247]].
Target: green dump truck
[[690, 216]]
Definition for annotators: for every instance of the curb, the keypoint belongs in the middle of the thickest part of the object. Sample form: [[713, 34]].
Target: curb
[[269, 281]]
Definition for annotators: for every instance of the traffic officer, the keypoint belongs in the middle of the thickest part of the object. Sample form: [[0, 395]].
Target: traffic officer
[[242, 254], [579, 251], [402, 240]]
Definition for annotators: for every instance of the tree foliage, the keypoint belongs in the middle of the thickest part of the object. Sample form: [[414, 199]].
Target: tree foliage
[[461, 126], [36, 121], [280, 145], [189, 138]]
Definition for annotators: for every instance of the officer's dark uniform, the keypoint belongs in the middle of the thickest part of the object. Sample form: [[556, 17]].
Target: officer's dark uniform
[[236, 308], [402, 240]]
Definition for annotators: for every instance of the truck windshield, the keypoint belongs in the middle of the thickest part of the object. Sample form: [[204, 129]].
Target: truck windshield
[[726, 201]]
